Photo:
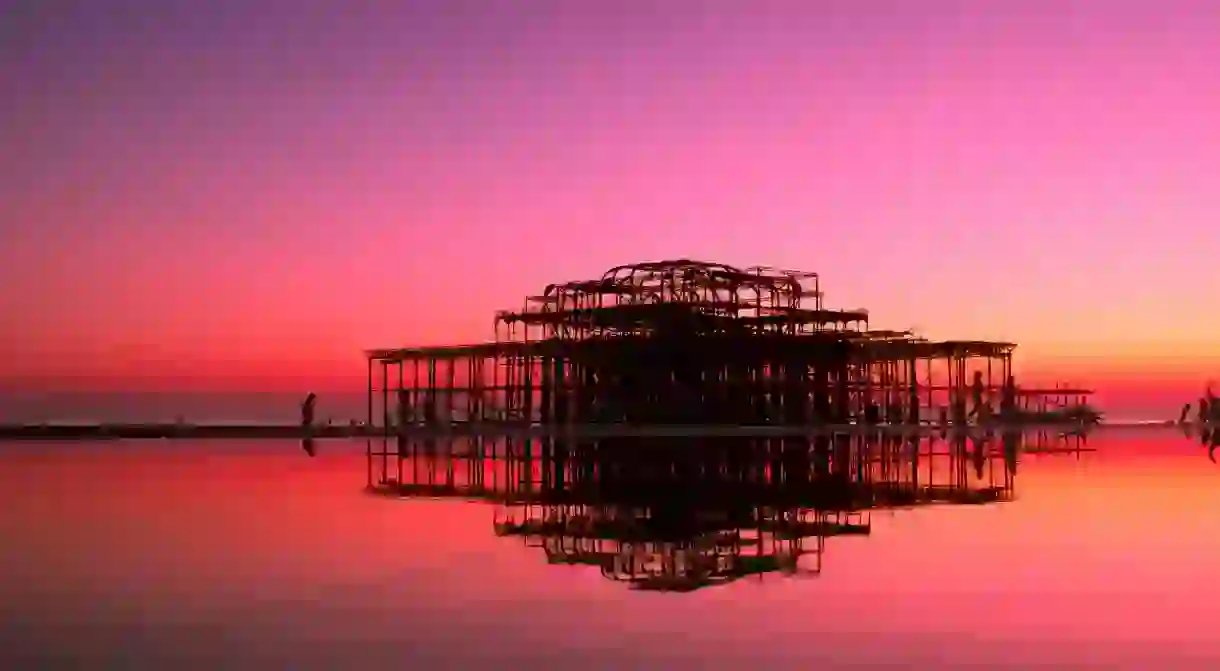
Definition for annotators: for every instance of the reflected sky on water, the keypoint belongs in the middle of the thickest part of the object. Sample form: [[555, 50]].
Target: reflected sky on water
[[254, 555]]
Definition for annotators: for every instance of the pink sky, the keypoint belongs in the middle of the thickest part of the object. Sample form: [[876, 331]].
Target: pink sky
[[265, 186]]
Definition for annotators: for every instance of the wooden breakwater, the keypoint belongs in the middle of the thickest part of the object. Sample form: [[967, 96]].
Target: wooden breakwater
[[131, 431]]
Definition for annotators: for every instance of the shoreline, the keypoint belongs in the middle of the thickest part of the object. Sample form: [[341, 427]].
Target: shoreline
[[168, 431]]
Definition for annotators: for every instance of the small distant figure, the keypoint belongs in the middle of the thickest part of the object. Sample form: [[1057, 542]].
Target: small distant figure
[[977, 391], [307, 409], [1185, 414], [1008, 399], [1209, 437]]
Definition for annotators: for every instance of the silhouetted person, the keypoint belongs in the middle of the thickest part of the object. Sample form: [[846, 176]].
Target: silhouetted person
[[307, 408], [1008, 400], [1185, 414], [976, 393], [1210, 438]]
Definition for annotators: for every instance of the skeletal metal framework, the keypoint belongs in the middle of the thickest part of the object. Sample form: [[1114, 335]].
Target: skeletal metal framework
[[691, 342]]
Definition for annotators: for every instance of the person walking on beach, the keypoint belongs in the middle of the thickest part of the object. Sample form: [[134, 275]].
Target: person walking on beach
[[307, 409], [977, 391], [307, 422], [1008, 400]]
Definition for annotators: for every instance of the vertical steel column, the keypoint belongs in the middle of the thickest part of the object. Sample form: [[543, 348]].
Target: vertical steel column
[[370, 417]]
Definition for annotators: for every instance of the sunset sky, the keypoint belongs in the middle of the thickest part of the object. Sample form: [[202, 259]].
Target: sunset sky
[[260, 189]]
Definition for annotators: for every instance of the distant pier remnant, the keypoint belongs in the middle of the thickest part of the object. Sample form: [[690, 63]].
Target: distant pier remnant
[[692, 343]]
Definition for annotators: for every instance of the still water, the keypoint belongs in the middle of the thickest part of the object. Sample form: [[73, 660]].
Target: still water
[[224, 555]]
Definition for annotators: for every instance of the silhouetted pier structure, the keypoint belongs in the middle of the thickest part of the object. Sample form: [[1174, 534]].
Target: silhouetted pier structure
[[683, 513], [670, 344], [688, 342]]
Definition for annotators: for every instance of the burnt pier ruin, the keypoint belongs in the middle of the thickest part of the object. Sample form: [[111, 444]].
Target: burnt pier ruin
[[700, 344]]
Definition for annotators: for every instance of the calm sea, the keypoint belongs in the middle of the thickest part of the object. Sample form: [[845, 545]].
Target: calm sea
[[154, 555]]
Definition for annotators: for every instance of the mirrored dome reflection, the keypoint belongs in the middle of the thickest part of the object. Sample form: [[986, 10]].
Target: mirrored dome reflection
[[680, 514]]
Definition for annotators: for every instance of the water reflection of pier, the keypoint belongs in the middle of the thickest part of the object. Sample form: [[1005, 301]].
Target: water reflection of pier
[[682, 513]]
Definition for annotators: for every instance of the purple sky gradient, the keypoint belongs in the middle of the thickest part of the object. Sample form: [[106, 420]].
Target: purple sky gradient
[[239, 181]]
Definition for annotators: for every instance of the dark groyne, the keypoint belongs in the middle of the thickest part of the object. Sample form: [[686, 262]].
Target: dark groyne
[[171, 431], [12, 432]]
